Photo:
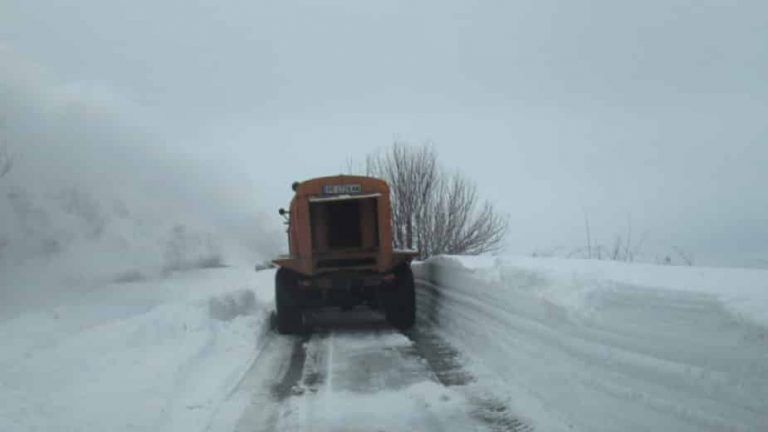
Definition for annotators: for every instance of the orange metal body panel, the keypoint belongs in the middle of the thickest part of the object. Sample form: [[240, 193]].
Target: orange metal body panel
[[303, 259]]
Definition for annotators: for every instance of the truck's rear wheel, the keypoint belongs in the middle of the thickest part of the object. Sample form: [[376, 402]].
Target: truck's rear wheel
[[400, 306], [290, 319]]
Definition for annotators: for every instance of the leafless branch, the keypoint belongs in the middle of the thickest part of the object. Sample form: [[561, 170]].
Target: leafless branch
[[687, 257], [434, 211], [624, 248]]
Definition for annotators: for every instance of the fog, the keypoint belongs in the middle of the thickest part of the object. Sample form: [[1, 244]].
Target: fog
[[95, 196], [649, 114]]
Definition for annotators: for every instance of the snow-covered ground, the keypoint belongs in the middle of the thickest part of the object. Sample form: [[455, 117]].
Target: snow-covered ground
[[501, 344], [604, 346], [116, 310], [144, 356]]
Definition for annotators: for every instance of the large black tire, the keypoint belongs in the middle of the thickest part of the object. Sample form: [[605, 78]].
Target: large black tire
[[400, 305], [289, 316]]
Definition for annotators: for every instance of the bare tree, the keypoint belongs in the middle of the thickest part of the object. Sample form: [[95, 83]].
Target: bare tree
[[589, 236], [684, 255], [624, 248], [433, 210]]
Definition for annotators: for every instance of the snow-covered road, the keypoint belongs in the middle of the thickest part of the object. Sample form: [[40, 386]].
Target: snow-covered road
[[508, 344], [519, 344], [355, 373]]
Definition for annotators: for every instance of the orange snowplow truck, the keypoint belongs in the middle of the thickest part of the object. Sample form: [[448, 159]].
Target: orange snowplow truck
[[341, 253]]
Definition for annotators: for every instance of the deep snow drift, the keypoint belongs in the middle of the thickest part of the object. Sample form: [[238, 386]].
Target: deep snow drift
[[603, 346]]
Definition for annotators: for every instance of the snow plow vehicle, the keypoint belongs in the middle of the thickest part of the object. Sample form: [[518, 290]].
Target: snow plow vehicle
[[341, 253]]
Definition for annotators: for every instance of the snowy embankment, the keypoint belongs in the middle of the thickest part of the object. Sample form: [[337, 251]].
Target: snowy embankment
[[148, 356], [115, 310], [590, 345]]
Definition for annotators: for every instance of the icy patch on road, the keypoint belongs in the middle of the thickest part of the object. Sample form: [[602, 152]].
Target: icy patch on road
[[138, 357]]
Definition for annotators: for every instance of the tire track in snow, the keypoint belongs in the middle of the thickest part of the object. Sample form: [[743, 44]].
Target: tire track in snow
[[354, 371], [445, 362], [254, 405], [288, 385], [430, 358]]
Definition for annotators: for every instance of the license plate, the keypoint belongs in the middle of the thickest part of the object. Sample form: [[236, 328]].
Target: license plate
[[342, 189]]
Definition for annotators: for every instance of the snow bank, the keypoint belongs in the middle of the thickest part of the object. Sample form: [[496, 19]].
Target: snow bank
[[572, 283], [589, 345], [141, 357]]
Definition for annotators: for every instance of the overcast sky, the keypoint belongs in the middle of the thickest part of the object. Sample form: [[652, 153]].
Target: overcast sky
[[651, 110]]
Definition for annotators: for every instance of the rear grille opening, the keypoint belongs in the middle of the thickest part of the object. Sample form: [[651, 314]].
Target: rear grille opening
[[344, 225], [346, 262]]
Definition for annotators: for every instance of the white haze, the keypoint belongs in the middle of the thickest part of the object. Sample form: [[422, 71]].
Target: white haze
[[93, 197], [651, 112]]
